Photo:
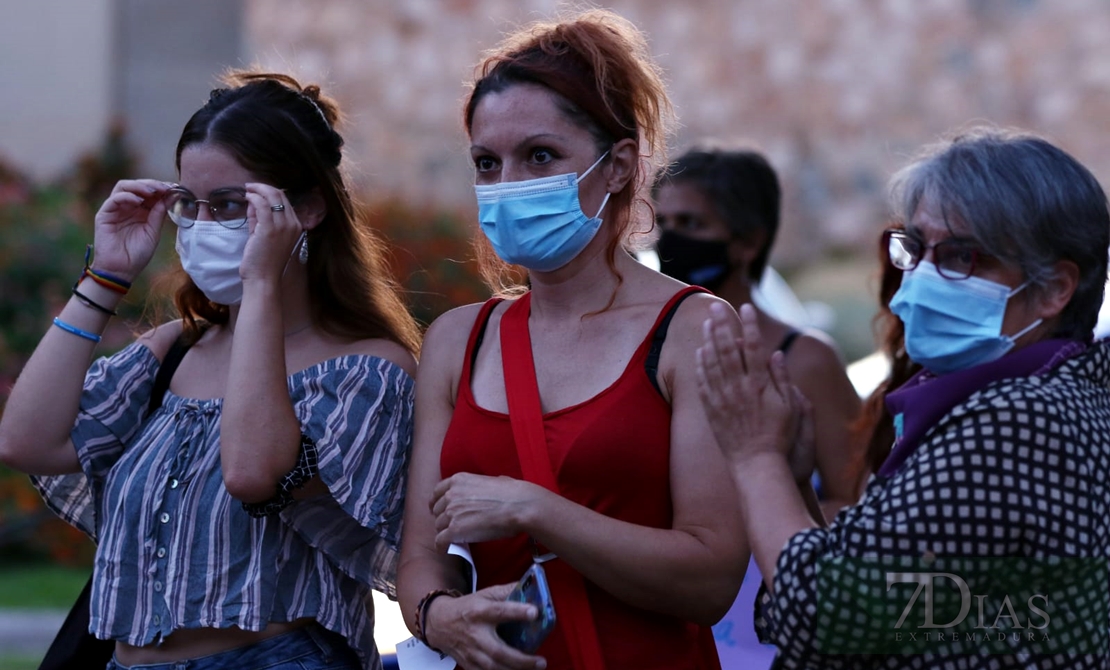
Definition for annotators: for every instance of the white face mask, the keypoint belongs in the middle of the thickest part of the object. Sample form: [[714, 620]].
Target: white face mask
[[211, 255]]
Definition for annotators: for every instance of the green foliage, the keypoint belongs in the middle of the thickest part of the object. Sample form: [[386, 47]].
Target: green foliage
[[25, 586], [43, 233]]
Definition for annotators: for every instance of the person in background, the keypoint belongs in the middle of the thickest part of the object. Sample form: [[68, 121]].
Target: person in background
[[718, 212], [1001, 461], [244, 521], [639, 518]]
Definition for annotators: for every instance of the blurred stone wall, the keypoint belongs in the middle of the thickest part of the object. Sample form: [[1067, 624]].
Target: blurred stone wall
[[838, 92]]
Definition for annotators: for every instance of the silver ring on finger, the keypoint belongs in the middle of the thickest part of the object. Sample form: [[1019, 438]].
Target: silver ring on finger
[[277, 208]]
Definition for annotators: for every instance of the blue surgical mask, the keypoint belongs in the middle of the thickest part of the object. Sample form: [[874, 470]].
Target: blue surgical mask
[[951, 324], [537, 223]]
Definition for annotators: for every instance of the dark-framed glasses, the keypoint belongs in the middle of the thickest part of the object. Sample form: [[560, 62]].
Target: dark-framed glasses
[[953, 258], [227, 206]]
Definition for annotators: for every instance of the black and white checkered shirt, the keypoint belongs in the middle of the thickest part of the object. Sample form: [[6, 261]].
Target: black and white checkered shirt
[[1003, 487]]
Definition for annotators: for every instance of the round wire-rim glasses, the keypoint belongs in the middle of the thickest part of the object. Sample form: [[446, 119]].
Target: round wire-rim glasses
[[953, 258], [227, 206]]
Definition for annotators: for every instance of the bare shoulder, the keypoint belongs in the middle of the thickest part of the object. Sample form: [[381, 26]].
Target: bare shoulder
[[448, 334], [692, 314], [815, 350], [160, 338], [817, 367], [684, 336]]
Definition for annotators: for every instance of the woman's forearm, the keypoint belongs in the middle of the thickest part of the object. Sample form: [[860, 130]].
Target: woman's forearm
[[773, 508], [692, 573], [259, 432], [42, 407]]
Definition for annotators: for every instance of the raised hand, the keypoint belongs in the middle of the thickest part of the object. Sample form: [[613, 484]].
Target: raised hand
[[803, 455], [127, 227], [274, 231], [744, 387]]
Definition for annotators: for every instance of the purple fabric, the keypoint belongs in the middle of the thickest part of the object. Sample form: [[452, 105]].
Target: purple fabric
[[737, 645], [925, 398]]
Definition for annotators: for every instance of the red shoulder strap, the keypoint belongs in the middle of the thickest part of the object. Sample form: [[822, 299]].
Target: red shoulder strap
[[526, 416]]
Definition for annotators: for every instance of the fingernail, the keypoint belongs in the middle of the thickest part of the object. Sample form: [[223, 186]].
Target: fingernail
[[533, 613]]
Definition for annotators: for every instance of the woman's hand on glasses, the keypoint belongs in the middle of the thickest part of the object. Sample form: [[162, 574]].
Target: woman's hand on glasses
[[127, 227], [274, 231]]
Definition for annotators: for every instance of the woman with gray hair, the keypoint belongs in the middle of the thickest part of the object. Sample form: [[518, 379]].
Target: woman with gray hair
[[982, 541]]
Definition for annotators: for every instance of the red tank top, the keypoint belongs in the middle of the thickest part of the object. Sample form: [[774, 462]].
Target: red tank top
[[610, 453]]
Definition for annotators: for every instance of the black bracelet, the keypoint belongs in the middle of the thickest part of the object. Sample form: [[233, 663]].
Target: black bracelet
[[89, 302], [422, 613]]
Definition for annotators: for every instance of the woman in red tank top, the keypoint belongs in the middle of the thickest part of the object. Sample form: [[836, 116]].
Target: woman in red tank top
[[614, 472]]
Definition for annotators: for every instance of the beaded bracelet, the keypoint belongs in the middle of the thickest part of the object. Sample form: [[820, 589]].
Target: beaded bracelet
[[89, 302], [422, 612], [92, 337]]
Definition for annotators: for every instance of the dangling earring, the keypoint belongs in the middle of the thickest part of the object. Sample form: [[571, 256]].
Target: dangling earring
[[302, 255]]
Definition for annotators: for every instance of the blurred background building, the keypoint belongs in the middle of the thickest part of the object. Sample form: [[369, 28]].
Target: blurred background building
[[837, 92]]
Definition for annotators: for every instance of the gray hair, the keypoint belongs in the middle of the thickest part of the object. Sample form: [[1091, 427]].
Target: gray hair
[[1024, 201]]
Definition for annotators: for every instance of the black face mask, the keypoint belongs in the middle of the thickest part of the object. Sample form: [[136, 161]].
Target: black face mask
[[700, 262]]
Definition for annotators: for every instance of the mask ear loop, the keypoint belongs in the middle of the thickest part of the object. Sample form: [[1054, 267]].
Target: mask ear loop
[[591, 168], [1015, 336], [1017, 290], [604, 201]]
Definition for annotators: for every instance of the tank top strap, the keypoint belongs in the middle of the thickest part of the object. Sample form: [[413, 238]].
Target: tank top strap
[[477, 334], [652, 345], [788, 340]]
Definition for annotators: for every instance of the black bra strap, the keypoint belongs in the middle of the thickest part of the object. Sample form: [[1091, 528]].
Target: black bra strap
[[168, 366], [788, 341], [481, 336], [651, 364]]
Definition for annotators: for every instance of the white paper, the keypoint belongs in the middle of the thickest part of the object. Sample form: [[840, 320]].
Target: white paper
[[463, 552], [412, 654]]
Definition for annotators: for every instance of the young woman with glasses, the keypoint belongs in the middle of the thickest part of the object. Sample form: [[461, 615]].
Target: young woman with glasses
[[244, 521]]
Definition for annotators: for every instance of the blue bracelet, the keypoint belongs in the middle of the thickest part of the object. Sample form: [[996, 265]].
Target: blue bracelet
[[93, 337]]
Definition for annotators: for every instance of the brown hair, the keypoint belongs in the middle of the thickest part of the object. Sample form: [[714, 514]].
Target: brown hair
[[599, 66], [875, 425], [285, 134]]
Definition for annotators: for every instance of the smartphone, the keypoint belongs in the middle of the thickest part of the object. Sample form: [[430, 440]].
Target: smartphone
[[527, 636]]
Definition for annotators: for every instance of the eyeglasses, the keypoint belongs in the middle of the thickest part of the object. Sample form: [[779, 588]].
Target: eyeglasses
[[953, 258], [228, 207]]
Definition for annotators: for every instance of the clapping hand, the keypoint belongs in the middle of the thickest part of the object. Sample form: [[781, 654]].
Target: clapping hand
[[746, 391]]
